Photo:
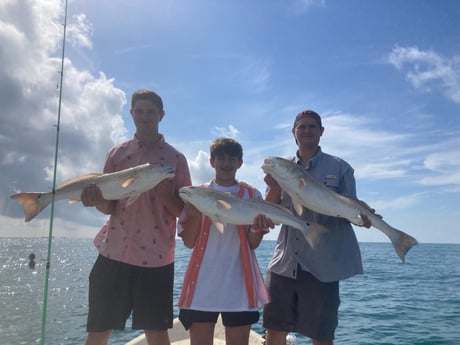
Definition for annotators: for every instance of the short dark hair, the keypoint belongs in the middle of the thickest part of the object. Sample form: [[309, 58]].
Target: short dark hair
[[147, 95], [229, 146]]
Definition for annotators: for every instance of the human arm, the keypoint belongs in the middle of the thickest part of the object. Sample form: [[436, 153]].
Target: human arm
[[258, 229], [91, 195], [166, 192], [273, 193], [366, 221], [191, 225], [348, 188]]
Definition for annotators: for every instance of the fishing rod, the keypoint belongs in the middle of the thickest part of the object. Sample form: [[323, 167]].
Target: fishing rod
[[56, 150]]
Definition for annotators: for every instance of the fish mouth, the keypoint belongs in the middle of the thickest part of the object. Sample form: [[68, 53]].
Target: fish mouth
[[184, 193], [269, 161], [268, 165]]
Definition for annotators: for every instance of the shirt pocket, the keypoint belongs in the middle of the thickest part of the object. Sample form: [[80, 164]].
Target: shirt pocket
[[331, 182]]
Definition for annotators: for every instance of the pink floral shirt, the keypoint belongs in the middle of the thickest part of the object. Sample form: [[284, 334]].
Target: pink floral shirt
[[142, 234]]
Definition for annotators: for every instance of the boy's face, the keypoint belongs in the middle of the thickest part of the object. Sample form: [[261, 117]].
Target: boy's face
[[226, 166], [146, 116]]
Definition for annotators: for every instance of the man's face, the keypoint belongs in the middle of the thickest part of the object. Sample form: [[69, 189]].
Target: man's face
[[307, 132], [146, 115]]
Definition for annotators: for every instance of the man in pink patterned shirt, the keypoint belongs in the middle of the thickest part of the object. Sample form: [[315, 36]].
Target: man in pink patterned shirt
[[134, 271]]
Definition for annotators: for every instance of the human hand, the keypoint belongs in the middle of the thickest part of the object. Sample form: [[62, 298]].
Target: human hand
[[366, 221], [271, 182], [262, 223], [91, 195], [273, 193]]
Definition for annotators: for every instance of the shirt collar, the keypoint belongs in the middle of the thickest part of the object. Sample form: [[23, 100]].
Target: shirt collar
[[141, 143], [313, 160]]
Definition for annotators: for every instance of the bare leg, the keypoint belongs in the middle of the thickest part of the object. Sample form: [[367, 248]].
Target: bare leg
[[237, 335], [273, 337], [157, 337], [202, 333], [98, 338]]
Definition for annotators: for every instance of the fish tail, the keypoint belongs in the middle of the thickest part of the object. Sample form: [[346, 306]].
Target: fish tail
[[32, 203], [313, 233], [402, 243]]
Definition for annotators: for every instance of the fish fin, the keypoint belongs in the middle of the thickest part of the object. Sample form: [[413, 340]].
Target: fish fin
[[131, 199], [358, 220], [79, 179], [219, 226], [224, 204], [127, 182], [297, 205], [32, 203], [402, 243], [302, 183], [315, 231]]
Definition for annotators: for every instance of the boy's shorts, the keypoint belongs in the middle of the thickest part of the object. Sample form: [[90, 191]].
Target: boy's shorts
[[229, 319], [304, 305], [116, 289]]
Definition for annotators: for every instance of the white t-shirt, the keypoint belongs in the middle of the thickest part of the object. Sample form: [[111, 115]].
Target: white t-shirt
[[220, 284]]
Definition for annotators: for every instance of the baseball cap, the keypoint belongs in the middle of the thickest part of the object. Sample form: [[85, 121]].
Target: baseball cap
[[308, 113]]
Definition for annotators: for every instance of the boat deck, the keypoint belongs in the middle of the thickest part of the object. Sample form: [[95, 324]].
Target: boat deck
[[179, 336]]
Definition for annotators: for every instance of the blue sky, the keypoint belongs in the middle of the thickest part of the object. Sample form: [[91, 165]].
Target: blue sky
[[384, 75]]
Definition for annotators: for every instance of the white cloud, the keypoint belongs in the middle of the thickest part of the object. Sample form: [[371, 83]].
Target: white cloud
[[379, 154], [80, 31], [90, 122], [400, 203], [444, 161], [445, 167], [426, 68], [127, 50], [200, 169], [229, 132], [298, 7], [369, 149], [255, 74]]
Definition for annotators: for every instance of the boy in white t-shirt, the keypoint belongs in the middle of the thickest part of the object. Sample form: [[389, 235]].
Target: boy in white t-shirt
[[223, 276]]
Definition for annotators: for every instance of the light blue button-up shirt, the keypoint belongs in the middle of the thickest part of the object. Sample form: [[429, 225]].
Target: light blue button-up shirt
[[336, 255]]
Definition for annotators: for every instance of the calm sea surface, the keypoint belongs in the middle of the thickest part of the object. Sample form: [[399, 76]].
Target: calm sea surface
[[392, 303]]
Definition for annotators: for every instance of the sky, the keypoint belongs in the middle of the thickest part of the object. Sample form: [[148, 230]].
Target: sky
[[384, 76]]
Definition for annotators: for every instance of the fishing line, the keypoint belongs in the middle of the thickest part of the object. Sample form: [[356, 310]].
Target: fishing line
[[50, 233]]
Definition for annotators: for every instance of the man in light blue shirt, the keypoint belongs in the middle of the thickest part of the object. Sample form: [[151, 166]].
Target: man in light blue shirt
[[304, 282]]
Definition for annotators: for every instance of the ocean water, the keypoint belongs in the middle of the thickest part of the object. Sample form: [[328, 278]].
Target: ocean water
[[391, 303]]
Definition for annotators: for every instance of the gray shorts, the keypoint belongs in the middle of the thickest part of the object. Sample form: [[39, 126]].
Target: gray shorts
[[116, 289], [304, 305]]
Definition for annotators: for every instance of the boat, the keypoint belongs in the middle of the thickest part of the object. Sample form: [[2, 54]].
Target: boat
[[179, 336]]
